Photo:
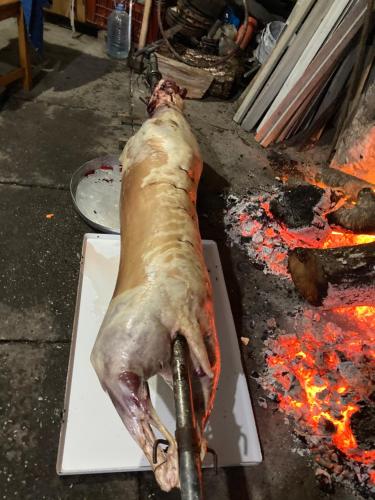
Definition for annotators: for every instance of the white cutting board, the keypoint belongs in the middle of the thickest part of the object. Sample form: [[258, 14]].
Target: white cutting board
[[93, 439]]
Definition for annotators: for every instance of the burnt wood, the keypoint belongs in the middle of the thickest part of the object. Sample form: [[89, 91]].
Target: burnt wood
[[359, 218], [349, 185], [363, 427], [294, 206], [335, 277]]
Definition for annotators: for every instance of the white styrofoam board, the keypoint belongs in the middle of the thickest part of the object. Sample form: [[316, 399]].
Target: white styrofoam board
[[93, 438]]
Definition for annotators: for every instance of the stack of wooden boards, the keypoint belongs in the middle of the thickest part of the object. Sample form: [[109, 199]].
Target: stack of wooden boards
[[303, 81]]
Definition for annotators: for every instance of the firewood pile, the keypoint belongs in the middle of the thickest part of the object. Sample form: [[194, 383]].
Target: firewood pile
[[316, 73]]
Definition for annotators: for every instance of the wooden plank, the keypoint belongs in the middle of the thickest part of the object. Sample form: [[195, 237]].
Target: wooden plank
[[308, 115], [196, 80], [285, 66], [81, 10], [295, 19], [326, 92], [303, 109], [23, 52], [297, 118], [11, 77], [145, 23], [336, 85], [7, 3], [9, 8], [322, 64], [313, 46], [315, 125]]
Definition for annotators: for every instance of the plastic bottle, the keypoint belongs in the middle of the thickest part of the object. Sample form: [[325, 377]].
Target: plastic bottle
[[118, 33]]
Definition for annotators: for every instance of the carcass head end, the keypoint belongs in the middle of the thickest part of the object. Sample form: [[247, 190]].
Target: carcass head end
[[166, 93]]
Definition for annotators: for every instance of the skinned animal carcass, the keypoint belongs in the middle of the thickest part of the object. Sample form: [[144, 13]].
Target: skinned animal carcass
[[163, 287]]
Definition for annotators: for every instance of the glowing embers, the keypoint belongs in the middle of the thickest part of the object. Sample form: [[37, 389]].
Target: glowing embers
[[250, 223], [346, 238], [322, 376]]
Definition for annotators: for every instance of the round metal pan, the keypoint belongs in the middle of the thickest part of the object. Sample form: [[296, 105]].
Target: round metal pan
[[95, 189]]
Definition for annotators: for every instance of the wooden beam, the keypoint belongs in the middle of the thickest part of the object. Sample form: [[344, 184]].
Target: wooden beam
[[321, 65], [294, 21], [304, 108], [315, 43], [23, 51], [337, 84], [11, 77], [9, 8], [335, 277], [286, 64], [145, 23], [324, 176], [313, 130]]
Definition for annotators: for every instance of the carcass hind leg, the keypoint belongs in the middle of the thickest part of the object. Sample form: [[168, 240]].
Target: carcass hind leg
[[130, 396]]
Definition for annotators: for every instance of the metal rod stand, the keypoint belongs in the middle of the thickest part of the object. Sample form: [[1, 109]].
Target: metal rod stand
[[186, 426]]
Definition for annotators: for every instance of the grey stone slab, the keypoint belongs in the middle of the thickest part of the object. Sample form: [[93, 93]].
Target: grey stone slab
[[44, 144], [32, 381], [39, 262]]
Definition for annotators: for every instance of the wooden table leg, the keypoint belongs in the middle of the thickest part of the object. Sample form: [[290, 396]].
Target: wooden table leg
[[23, 51]]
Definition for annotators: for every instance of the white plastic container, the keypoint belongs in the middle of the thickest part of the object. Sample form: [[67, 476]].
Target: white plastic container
[[118, 33]]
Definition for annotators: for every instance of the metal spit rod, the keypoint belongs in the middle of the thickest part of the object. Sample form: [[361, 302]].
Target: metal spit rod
[[186, 426], [190, 467]]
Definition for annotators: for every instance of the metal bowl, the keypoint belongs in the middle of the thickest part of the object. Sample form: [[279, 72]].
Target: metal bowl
[[93, 186]]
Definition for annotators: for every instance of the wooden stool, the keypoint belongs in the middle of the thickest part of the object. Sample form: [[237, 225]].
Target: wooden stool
[[12, 8]]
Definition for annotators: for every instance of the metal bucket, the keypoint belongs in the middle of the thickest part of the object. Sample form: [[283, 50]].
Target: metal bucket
[[95, 188]]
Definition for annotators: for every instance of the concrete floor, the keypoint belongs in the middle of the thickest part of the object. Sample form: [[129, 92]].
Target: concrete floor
[[68, 118]]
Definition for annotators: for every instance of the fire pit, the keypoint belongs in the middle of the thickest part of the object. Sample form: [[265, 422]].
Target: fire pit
[[321, 368]]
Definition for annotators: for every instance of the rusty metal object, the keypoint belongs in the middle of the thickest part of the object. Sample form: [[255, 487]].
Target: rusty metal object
[[194, 23], [186, 425]]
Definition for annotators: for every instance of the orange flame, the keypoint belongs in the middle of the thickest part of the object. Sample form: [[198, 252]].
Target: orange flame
[[342, 239], [326, 395]]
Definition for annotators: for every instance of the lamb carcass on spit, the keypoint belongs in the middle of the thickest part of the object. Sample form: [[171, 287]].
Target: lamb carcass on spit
[[163, 287]]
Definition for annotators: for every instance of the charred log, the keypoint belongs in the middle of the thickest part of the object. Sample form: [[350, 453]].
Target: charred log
[[295, 206], [335, 277], [349, 185], [359, 218], [299, 210], [363, 427]]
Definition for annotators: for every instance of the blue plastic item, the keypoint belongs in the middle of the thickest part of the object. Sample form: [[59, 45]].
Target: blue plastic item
[[231, 18]]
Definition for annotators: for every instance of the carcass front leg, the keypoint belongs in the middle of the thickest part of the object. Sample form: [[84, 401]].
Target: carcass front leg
[[130, 396]]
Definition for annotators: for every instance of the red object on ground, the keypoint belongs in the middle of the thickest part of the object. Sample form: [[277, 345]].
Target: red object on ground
[[250, 28]]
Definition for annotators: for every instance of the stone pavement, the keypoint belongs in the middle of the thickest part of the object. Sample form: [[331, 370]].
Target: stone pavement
[[68, 118]]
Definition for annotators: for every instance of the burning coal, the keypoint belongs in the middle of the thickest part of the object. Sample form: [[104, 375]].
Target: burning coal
[[251, 224], [323, 373]]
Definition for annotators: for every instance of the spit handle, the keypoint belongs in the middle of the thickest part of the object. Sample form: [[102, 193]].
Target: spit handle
[[188, 445]]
